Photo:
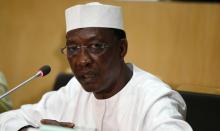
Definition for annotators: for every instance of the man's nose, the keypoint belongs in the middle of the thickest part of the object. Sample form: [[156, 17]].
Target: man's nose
[[83, 57]]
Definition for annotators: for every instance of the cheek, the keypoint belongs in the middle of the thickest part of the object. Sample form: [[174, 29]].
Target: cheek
[[109, 65]]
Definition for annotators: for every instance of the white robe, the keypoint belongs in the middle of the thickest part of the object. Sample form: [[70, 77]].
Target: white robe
[[144, 104]]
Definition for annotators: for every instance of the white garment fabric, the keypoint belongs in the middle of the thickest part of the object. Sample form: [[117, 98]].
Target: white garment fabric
[[144, 104]]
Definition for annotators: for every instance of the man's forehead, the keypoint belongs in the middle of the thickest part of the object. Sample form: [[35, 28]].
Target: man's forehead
[[90, 32]]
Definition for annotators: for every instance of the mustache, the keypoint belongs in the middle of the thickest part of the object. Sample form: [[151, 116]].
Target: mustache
[[86, 72]]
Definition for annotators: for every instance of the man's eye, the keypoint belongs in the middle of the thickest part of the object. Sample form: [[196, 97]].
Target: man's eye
[[97, 46], [72, 48]]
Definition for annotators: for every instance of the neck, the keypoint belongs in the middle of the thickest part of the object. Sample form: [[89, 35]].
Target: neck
[[124, 76]]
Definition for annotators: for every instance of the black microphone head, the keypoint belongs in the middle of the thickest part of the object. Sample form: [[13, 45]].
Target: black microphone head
[[44, 70]]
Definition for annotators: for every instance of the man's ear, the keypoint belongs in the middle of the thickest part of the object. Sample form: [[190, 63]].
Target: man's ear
[[123, 47]]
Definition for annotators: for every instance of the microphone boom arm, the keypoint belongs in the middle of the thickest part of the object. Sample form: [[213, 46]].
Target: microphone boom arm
[[23, 83]]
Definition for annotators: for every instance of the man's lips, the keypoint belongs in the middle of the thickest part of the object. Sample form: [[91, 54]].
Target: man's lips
[[87, 77]]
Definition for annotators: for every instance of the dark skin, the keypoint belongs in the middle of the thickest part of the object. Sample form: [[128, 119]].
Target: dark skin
[[103, 74], [107, 72]]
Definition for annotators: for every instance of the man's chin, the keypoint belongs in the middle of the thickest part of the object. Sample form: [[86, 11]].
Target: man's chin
[[88, 88]]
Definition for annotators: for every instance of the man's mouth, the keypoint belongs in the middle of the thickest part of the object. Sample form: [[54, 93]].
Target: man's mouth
[[88, 77]]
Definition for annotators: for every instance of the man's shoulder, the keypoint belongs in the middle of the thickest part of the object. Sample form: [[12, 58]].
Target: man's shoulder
[[71, 89], [144, 78], [148, 84]]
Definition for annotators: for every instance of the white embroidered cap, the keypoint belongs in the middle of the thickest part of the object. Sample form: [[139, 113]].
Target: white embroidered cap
[[93, 15]]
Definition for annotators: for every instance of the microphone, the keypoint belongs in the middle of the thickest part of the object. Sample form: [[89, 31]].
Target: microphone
[[44, 70]]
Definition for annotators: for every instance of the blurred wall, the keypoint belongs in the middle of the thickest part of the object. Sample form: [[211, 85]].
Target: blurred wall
[[178, 42]]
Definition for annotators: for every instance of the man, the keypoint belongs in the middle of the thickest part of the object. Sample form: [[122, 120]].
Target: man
[[106, 94]]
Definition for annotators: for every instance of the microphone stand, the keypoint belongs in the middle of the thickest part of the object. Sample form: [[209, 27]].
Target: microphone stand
[[23, 83]]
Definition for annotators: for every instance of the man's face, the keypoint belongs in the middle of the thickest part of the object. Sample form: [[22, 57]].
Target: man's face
[[96, 68]]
